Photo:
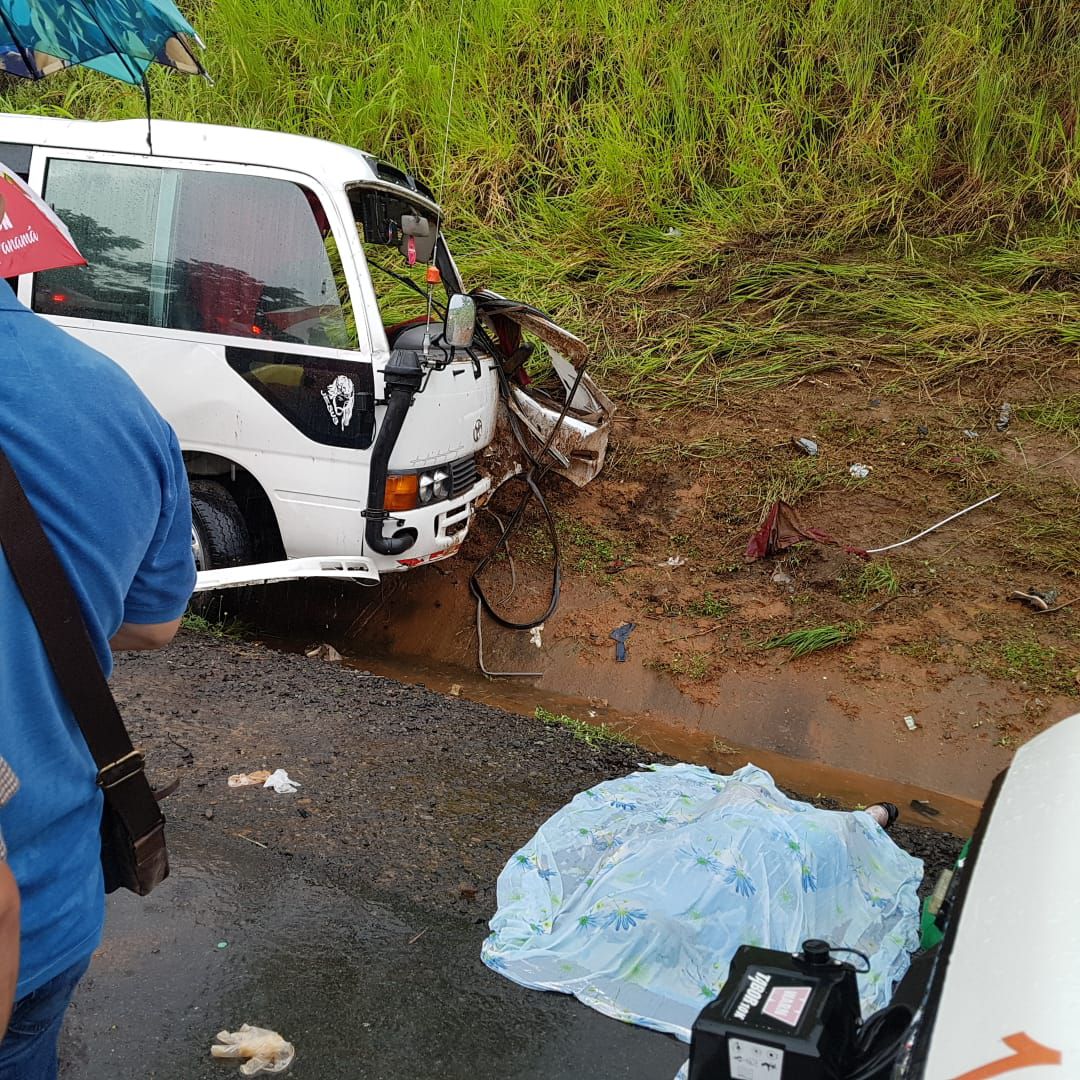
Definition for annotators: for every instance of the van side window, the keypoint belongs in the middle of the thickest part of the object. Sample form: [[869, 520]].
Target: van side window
[[112, 212], [221, 253], [16, 156]]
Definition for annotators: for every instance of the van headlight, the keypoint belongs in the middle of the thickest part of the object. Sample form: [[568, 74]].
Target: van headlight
[[433, 486], [406, 491]]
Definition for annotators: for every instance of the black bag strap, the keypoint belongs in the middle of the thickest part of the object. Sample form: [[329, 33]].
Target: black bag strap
[[52, 603]]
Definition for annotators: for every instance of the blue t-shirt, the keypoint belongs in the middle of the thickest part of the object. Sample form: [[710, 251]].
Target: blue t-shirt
[[105, 474]]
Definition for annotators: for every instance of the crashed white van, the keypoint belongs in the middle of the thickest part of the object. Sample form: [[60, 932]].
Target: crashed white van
[[292, 308]]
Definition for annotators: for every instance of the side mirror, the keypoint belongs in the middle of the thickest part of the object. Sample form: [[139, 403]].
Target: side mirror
[[460, 321]]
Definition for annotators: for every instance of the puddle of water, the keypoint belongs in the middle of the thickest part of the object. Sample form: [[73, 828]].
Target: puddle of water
[[666, 736]]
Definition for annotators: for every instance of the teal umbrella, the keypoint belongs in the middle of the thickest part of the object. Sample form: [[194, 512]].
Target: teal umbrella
[[121, 38]]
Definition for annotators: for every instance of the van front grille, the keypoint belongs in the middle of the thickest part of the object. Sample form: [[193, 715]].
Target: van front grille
[[463, 474]]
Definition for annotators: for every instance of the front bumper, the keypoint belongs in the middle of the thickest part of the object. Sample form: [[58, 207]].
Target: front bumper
[[441, 530]]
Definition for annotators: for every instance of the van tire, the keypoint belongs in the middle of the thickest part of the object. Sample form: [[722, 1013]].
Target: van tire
[[219, 538], [218, 527]]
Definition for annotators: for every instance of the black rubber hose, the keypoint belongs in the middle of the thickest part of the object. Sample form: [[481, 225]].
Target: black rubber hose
[[402, 379]]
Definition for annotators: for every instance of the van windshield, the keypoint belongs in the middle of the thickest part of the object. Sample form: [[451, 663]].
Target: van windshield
[[401, 238]]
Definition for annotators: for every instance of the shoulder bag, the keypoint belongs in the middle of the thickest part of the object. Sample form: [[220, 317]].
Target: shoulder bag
[[133, 853]]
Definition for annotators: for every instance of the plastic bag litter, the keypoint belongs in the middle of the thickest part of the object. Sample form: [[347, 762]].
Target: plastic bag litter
[[268, 1051], [635, 896], [282, 783], [260, 776]]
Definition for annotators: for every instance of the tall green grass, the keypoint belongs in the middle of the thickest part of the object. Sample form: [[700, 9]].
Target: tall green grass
[[723, 195]]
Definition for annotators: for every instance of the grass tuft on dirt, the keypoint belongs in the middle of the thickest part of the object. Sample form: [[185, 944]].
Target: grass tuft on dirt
[[594, 736], [222, 629], [814, 639]]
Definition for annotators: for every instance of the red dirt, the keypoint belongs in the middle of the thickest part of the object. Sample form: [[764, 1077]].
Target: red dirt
[[979, 674]]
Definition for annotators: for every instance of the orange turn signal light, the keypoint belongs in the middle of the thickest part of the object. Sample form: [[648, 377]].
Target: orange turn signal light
[[402, 492]]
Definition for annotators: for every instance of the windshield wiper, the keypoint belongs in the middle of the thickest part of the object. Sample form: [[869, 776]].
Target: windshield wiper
[[409, 283]]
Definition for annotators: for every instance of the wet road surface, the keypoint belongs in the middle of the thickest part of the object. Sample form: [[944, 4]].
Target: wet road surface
[[364, 988], [353, 911]]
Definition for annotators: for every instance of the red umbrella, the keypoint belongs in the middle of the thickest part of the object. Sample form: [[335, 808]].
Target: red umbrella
[[32, 237]]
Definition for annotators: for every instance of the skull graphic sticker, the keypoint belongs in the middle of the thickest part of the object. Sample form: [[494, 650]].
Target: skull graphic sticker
[[340, 396]]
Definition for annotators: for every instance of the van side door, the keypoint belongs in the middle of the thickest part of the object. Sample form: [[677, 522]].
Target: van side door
[[220, 290]]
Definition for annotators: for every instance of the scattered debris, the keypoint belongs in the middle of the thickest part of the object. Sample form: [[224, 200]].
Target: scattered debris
[[780, 577], [467, 891], [1060, 607], [1039, 599], [620, 635], [257, 843], [922, 429], [807, 446], [969, 434], [480, 650], [924, 807], [875, 402], [536, 636], [909, 723], [208, 813], [267, 1050], [945, 521], [280, 781], [260, 776], [325, 652], [782, 529], [1004, 417], [860, 471], [455, 690], [222, 944], [414, 939], [675, 560]]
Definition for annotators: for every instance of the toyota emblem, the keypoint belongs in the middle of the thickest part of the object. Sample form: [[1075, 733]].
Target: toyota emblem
[[477, 430]]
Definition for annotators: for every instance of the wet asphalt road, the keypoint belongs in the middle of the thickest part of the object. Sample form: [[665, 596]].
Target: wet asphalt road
[[353, 911], [363, 987]]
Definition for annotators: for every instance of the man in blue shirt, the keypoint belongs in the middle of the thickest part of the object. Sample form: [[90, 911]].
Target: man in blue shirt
[[104, 472]]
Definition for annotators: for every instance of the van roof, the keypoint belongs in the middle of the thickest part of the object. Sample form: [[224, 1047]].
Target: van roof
[[174, 138]]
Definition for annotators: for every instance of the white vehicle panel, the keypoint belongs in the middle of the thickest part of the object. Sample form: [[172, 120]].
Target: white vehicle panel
[[1009, 1001]]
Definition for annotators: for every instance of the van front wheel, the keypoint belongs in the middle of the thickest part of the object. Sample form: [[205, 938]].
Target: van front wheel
[[219, 534], [219, 538]]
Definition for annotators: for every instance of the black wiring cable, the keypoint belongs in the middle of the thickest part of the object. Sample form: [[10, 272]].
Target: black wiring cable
[[870, 1067], [536, 472]]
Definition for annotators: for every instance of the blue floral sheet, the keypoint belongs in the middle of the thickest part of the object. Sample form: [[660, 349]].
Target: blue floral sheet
[[635, 896]]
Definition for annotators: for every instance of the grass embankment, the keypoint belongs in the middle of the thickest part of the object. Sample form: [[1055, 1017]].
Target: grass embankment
[[728, 196], [723, 197]]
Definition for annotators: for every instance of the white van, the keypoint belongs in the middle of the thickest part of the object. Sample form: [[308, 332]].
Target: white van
[[270, 293]]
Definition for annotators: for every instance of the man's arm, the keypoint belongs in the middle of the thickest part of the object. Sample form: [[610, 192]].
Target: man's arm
[[9, 943], [133, 636], [162, 586]]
